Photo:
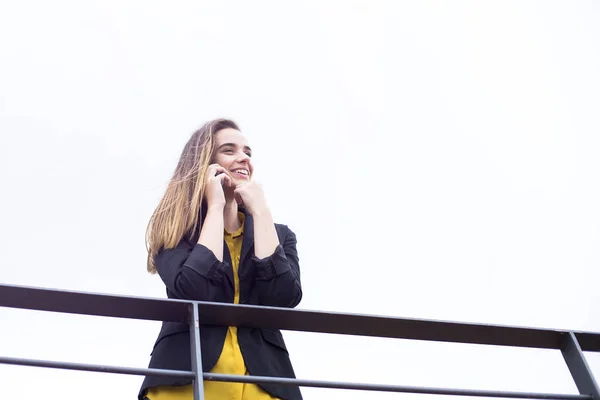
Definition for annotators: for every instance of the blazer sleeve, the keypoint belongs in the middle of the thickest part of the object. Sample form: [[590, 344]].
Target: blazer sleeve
[[278, 276], [191, 272]]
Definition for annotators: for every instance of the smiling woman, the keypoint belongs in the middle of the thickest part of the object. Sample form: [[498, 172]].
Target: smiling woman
[[212, 238]]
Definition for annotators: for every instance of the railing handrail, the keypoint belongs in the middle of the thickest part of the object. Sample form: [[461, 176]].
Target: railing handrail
[[157, 309], [196, 313]]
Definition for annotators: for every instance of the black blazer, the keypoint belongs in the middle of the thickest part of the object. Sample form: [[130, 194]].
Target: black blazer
[[191, 271]]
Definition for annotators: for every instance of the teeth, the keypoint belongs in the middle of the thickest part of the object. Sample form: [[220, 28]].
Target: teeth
[[242, 171]]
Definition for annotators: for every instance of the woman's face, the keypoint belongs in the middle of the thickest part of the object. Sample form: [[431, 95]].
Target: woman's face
[[233, 153]]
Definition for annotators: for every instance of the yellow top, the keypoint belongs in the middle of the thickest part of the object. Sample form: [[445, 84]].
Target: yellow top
[[231, 360]]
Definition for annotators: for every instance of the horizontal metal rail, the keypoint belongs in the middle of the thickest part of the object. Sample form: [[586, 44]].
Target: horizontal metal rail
[[198, 313], [288, 319], [289, 381], [28, 362], [390, 388]]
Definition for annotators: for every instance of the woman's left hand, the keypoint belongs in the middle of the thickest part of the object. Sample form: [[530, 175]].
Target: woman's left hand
[[251, 195]]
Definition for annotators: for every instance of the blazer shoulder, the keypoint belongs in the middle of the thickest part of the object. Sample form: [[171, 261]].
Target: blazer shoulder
[[282, 229]]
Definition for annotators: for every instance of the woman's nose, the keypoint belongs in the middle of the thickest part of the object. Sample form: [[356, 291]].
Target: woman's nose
[[243, 157]]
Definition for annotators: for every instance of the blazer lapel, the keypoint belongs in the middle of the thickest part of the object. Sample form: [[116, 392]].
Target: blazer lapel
[[248, 240], [227, 260]]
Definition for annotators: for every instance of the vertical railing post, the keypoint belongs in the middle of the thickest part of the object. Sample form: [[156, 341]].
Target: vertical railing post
[[580, 370], [196, 352]]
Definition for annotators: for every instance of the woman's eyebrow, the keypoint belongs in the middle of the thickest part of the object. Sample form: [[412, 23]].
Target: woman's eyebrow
[[234, 145]]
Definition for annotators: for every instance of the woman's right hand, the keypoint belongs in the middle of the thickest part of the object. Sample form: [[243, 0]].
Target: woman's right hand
[[217, 178]]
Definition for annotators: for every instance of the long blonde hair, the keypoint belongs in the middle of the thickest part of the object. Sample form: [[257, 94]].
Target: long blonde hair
[[178, 211]]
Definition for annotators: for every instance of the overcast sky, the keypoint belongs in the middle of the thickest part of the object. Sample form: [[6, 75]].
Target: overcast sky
[[436, 159]]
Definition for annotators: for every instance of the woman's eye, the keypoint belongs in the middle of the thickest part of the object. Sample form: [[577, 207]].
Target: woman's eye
[[249, 154], [228, 151]]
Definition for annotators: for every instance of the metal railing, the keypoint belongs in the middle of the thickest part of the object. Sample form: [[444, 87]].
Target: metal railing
[[571, 344]]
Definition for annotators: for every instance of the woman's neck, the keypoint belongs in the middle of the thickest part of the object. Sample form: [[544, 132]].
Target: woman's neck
[[230, 216]]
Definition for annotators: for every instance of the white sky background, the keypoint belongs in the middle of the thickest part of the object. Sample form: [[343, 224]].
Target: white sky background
[[436, 160]]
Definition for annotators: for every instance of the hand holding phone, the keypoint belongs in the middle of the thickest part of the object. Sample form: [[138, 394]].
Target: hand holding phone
[[217, 180]]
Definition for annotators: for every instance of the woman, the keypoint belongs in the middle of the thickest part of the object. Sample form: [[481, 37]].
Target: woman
[[212, 238]]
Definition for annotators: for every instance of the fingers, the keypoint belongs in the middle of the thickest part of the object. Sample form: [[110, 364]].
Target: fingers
[[225, 179], [215, 169], [238, 199], [237, 196], [218, 173]]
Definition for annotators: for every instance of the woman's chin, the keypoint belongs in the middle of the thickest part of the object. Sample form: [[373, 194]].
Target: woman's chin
[[239, 181]]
